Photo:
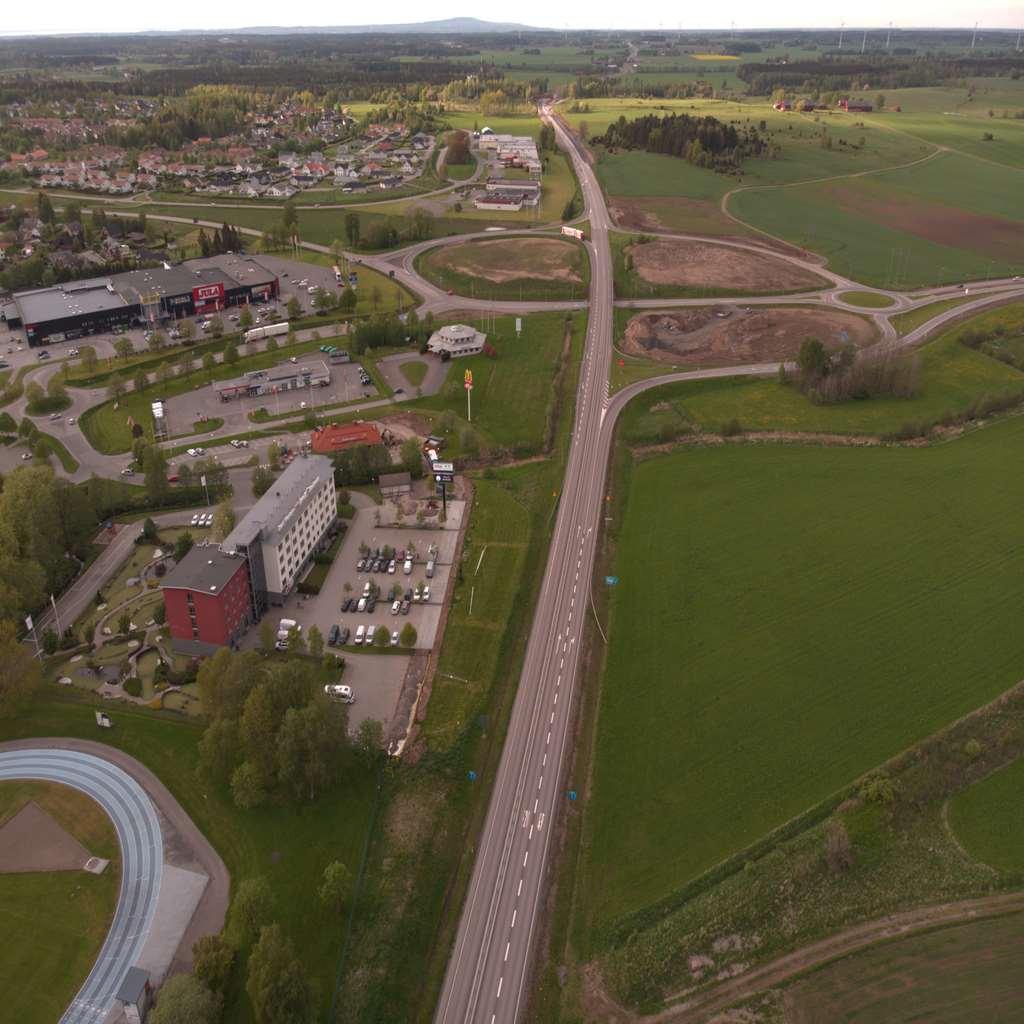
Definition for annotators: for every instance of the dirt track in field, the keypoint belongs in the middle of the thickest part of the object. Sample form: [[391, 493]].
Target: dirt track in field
[[700, 265], [32, 840], [511, 259], [726, 335]]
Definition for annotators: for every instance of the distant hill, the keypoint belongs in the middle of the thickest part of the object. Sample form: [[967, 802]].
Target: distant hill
[[446, 26]]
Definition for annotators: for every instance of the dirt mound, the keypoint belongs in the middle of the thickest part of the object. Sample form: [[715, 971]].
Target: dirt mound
[[731, 335], [699, 264], [512, 259]]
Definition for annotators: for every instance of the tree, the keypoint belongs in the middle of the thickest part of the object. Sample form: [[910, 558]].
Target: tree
[[223, 519], [336, 888], [267, 637], [140, 380], [272, 345], [55, 388], [230, 353], [316, 642], [182, 546], [274, 454], [880, 101], [212, 960], [186, 330], [124, 623], [407, 638], [20, 673], [34, 394], [245, 317], [447, 421], [247, 786], [157, 340], [216, 327], [218, 748], [838, 848], [277, 985], [470, 443], [370, 740], [115, 390], [149, 530], [209, 362], [87, 357], [294, 308], [352, 228], [813, 361], [154, 468], [262, 478], [44, 208], [185, 364], [412, 457], [123, 347], [163, 373], [382, 637], [184, 999], [347, 300], [252, 907]]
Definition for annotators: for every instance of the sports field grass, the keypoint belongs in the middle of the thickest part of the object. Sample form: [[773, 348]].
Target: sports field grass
[[949, 219], [518, 268], [55, 922], [988, 819], [868, 300], [969, 974], [512, 393], [786, 618], [289, 845]]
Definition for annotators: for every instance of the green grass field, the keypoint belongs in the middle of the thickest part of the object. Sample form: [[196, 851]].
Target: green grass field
[[969, 974], [950, 219], [519, 268], [867, 300], [842, 596], [906, 322], [512, 394], [54, 951], [988, 819], [289, 845]]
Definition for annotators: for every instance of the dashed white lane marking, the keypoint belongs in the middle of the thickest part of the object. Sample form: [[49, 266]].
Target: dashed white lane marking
[[548, 740], [526, 857], [540, 782], [556, 696], [507, 945], [514, 912], [534, 806], [551, 720], [519, 891], [544, 763], [530, 836], [500, 980]]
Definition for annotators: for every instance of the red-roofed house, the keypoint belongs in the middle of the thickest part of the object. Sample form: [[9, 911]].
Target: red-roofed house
[[339, 437]]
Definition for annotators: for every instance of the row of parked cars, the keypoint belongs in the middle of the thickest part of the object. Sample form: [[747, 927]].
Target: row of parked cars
[[379, 563], [201, 519]]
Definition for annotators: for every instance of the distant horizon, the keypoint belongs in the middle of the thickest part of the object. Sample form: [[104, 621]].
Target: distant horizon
[[997, 20]]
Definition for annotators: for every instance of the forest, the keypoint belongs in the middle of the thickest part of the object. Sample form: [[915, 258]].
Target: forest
[[702, 141]]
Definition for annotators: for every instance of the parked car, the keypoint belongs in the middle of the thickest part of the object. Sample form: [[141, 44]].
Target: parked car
[[195, 452], [371, 605], [25, 456], [361, 605], [43, 355], [340, 692], [367, 587], [396, 607], [194, 521], [71, 421], [239, 443], [54, 415], [405, 606], [360, 633], [332, 634], [127, 471], [394, 638], [391, 567], [425, 595], [361, 565], [407, 567], [346, 604], [343, 636]]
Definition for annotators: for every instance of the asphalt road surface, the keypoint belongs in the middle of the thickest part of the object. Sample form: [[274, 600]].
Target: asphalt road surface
[[138, 832], [489, 968]]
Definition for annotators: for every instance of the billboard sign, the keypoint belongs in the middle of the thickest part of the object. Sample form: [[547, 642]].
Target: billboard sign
[[444, 472], [467, 378], [207, 293]]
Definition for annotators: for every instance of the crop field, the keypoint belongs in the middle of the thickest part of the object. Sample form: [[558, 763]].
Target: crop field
[[842, 595], [940, 222], [969, 974], [988, 819], [512, 393], [509, 268]]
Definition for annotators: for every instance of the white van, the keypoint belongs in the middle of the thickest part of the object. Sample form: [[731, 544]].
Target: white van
[[366, 589], [407, 568], [430, 569], [360, 635]]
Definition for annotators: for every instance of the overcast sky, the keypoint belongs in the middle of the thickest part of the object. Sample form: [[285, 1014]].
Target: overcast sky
[[61, 16]]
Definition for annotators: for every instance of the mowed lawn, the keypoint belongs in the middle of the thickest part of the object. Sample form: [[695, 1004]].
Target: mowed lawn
[[54, 922], [988, 819], [787, 618]]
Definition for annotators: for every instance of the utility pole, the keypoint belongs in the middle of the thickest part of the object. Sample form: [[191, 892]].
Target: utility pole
[[888, 36], [974, 37], [842, 25], [864, 41]]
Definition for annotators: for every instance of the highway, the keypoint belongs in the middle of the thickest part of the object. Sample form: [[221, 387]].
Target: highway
[[138, 832], [488, 972]]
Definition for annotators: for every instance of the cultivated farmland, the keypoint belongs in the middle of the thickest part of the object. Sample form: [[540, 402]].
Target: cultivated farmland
[[988, 819], [844, 596]]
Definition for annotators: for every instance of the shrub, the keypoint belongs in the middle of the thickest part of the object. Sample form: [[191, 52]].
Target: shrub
[[133, 686]]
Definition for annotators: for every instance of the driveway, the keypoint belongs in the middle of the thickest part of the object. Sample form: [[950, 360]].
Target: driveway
[[391, 370]]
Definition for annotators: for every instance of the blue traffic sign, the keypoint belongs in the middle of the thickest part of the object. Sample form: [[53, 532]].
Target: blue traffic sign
[[572, 794], [611, 580], [472, 776]]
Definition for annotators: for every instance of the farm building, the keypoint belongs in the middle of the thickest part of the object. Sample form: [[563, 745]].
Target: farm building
[[856, 106]]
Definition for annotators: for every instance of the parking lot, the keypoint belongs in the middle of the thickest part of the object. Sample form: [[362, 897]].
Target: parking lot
[[376, 677]]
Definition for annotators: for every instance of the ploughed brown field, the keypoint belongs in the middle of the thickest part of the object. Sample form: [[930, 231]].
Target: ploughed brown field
[[727, 335], [700, 265], [511, 259]]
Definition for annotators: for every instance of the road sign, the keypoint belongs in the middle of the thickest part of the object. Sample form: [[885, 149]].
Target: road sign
[[443, 467], [471, 775], [467, 378], [572, 794], [519, 325], [611, 580], [444, 478]]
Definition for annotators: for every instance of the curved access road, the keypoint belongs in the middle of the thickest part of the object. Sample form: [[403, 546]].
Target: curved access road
[[138, 832]]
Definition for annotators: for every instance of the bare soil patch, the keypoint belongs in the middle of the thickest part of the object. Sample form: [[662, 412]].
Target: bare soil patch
[[728, 335], [511, 259], [697, 264], [31, 840]]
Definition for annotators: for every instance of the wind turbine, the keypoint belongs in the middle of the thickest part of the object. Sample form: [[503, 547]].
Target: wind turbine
[[974, 38], [842, 25]]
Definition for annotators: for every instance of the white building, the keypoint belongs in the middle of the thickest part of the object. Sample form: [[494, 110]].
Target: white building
[[456, 340], [284, 529]]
